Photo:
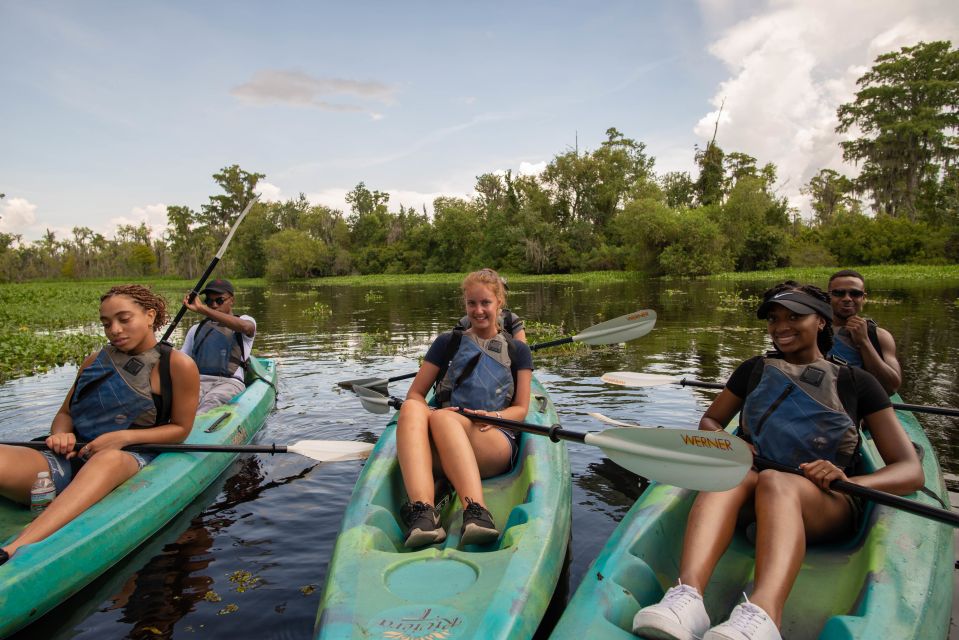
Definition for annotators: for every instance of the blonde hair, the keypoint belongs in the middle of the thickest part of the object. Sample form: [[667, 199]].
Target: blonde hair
[[488, 278], [144, 297]]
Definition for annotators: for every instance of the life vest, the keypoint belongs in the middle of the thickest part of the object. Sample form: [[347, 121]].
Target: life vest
[[505, 321], [217, 349], [479, 374], [796, 413], [114, 393], [843, 347]]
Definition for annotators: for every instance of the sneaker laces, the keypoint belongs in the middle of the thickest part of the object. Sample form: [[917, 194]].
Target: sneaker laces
[[413, 510], [748, 619], [680, 596], [474, 509]]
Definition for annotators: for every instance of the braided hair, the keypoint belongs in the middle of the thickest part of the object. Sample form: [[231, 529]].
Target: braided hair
[[144, 297], [824, 337]]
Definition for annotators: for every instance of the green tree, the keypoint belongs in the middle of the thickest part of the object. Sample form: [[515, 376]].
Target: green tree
[[907, 110], [830, 192]]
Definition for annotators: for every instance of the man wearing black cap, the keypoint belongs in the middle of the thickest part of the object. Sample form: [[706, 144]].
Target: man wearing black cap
[[220, 344], [859, 341]]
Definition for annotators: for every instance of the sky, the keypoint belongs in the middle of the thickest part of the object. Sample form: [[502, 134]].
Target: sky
[[112, 111]]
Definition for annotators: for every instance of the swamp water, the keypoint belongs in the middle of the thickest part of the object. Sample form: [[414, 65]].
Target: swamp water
[[249, 558]]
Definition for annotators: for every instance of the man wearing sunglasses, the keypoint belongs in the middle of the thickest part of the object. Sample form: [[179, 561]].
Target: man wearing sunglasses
[[220, 344], [858, 341]]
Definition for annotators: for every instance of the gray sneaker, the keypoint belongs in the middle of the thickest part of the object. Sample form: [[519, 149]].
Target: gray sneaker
[[478, 527], [425, 527], [680, 615]]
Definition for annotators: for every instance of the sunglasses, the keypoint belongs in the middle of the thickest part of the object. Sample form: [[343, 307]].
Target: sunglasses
[[841, 293], [216, 301]]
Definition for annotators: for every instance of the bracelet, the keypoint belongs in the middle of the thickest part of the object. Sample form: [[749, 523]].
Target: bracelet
[[498, 415]]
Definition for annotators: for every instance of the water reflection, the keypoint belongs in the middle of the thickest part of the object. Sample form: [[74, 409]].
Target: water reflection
[[276, 518]]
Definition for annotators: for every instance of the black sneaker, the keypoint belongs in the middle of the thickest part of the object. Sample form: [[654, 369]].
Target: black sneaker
[[424, 523], [478, 527]]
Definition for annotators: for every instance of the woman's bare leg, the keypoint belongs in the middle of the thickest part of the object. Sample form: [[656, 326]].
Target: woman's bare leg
[[100, 475], [709, 530], [415, 452], [789, 509]]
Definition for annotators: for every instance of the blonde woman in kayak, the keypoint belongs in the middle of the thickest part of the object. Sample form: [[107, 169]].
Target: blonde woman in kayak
[[482, 370], [133, 391], [799, 409]]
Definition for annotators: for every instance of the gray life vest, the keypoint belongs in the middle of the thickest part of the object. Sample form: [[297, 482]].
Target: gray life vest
[[796, 413], [114, 392], [217, 349], [479, 374], [844, 348]]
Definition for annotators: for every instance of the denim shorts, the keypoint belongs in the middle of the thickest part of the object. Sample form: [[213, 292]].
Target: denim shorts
[[512, 437], [62, 470]]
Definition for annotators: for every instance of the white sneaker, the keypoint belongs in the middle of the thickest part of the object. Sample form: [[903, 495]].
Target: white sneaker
[[680, 615], [746, 622]]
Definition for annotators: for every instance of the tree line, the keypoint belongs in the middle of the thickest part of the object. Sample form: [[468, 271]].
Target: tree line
[[602, 209]]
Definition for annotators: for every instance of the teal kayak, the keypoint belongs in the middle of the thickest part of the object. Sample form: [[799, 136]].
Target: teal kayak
[[892, 580], [42, 575], [376, 588]]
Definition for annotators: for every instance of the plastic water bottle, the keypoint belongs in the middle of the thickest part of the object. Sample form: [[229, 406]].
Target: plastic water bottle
[[42, 493]]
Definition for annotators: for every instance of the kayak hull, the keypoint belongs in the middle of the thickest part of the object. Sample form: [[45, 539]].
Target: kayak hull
[[892, 580], [42, 575], [376, 588]]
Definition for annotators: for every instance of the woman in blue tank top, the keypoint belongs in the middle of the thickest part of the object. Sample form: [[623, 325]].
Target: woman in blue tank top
[[800, 409], [479, 369], [118, 399]]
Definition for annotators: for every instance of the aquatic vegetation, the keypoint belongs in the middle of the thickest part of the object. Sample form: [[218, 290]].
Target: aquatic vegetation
[[373, 296], [318, 311], [537, 332]]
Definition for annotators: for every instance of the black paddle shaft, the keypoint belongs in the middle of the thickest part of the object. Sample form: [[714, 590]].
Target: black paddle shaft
[[193, 294], [879, 497], [554, 432], [202, 448]]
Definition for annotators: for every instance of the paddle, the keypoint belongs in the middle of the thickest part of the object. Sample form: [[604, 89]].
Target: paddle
[[691, 459], [198, 287], [631, 379], [321, 450], [843, 486], [622, 329]]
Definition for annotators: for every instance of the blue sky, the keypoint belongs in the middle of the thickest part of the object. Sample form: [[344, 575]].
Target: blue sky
[[113, 110]]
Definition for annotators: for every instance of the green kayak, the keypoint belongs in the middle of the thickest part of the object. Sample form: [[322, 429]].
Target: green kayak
[[893, 580], [42, 575], [376, 588]]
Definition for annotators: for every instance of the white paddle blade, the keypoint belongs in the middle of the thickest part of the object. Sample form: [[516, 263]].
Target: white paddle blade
[[373, 401], [632, 379], [332, 450], [622, 329], [699, 460], [614, 422]]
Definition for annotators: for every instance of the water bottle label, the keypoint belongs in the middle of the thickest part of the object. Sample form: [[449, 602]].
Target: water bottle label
[[40, 500]]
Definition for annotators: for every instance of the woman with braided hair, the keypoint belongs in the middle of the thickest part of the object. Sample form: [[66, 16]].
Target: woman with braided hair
[[133, 391], [802, 410]]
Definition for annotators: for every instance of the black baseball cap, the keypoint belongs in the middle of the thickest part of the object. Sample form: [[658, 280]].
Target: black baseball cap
[[797, 301], [219, 285]]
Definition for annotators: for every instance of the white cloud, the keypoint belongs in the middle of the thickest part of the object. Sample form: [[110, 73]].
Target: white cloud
[[298, 89], [269, 192], [792, 65], [154, 215], [17, 215], [532, 168], [335, 198]]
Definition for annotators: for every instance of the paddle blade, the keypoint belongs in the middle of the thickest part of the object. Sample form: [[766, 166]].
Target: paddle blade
[[332, 450], [700, 460], [632, 379], [614, 422], [372, 401], [380, 385], [622, 329]]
